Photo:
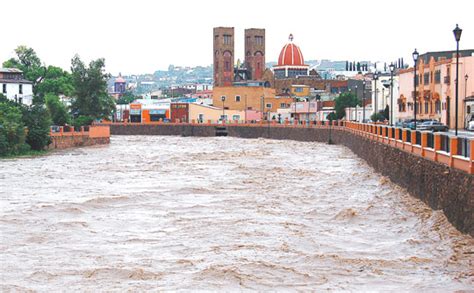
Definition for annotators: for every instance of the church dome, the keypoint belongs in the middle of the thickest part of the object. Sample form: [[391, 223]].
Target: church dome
[[290, 55], [120, 79]]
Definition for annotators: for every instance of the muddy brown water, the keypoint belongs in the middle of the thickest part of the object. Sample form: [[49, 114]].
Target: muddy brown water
[[151, 212]]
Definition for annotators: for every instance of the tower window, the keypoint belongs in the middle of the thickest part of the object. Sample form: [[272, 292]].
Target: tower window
[[237, 98], [227, 39], [4, 88], [20, 89], [259, 40]]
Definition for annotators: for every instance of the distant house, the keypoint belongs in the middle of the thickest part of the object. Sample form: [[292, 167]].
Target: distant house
[[15, 87]]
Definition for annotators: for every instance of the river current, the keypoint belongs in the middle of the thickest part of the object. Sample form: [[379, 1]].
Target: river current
[[170, 213]]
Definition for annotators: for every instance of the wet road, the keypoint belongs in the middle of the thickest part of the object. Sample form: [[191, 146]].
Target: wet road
[[149, 212]]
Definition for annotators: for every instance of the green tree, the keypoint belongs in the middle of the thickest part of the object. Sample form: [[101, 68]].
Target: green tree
[[90, 89], [12, 129], [376, 117], [57, 110], [386, 113], [126, 98], [38, 122], [343, 101], [331, 116], [56, 81]]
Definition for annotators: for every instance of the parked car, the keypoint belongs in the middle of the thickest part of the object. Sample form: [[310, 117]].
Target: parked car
[[433, 126], [471, 125], [411, 123]]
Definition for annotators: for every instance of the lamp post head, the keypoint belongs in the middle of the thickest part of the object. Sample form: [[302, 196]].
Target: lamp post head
[[376, 75], [466, 77], [457, 33], [392, 67], [223, 98], [415, 56]]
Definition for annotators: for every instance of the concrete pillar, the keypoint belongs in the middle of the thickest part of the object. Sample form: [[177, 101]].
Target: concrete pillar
[[61, 130], [404, 135], [424, 142], [413, 137], [453, 148], [436, 145]]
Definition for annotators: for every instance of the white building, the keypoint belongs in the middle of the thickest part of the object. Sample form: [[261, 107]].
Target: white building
[[15, 87], [381, 94], [357, 113]]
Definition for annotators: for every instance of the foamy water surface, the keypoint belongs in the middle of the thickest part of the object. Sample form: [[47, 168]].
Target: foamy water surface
[[150, 212]]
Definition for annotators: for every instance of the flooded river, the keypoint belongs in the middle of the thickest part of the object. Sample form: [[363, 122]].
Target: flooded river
[[150, 212]]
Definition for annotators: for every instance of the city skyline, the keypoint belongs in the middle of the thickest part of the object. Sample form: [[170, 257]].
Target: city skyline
[[143, 37]]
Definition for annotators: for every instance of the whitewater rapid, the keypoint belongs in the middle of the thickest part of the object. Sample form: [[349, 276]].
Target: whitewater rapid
[[170, 213]]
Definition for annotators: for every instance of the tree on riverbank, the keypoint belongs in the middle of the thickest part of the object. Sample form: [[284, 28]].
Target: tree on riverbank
[[22, 128], [344, 101], [90, 89], [12, 129], [57, 110]]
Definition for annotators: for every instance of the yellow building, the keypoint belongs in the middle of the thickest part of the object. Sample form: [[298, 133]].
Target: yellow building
[[203, 113], [300, 91], [257, 98]]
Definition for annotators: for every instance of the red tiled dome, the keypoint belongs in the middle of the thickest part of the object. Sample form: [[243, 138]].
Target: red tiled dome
[[291, 55]]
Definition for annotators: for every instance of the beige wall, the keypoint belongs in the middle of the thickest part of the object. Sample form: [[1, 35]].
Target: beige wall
[[211, 113], [250, 97]]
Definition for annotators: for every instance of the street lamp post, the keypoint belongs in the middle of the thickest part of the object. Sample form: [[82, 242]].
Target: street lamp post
[[392, 68], [363, 101], [357, 95], [415, 59], [376, 77], [457, 35], [223, 108]]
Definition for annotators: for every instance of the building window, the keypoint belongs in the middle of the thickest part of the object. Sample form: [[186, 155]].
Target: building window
[[227, 66], [237, 99], [438, 107], [282, 105], [20, 89], [426, 78], [236, 117], [259, 40], [438, 76], [299, 90], [4, 88], [268, 106], [227, 39], [426, 108]]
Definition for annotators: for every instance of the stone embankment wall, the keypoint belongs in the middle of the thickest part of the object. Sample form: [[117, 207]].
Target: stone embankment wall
[[95, 135], [438, 185]]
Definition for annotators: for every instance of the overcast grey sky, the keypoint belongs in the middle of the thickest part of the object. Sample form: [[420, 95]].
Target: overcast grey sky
[[140, 36]]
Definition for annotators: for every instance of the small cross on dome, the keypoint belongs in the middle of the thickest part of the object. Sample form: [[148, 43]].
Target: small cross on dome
[[290, 38]]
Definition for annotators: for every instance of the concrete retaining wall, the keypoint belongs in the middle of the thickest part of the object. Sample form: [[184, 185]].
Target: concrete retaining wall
[[64, 142], [441, 187]]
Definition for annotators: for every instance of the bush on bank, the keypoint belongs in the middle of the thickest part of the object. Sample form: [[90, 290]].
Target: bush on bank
[[22, 128]]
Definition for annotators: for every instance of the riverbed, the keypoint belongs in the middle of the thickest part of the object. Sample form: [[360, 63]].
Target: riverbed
[[171, 213]]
